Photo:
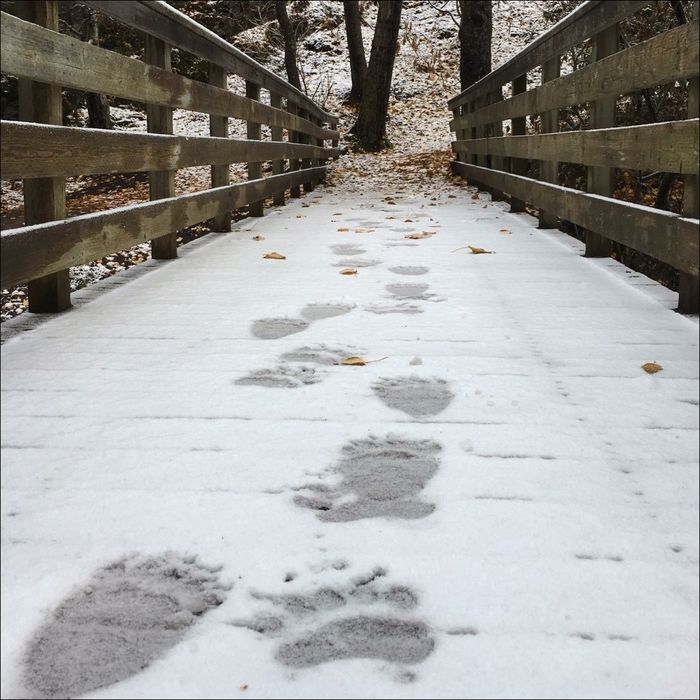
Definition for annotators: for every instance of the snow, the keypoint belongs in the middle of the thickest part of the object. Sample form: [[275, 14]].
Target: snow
[[535, 534]]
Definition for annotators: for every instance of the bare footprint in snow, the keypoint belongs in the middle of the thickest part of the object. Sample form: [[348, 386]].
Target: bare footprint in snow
[[380, 477], [273, 328], [131, 613], [415, 396], [281, 377]]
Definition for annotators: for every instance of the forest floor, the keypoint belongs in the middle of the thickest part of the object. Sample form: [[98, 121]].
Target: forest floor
[[426, 74]]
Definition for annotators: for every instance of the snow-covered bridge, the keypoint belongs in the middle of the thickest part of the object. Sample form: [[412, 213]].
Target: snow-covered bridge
[[370, 445]]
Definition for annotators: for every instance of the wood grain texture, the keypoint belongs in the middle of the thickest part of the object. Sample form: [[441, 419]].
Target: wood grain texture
[[34, 150], [664, 146], [585, 21], [218, 127], [165, 22], [549, 122], [277, 135], [160, 121], [44, 198], [671, 56], [660, 234], [32, 52], [33, 251]]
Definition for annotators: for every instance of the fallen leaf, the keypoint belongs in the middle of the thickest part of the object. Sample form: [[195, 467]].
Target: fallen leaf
[[348, 271], [389, 217], [244, 686], [422, 234], [358, 361], [652, 367], [337, 213], [343, 230], [504, 231], [301, 216], [475, 195], [479, 251], [304, 204], [274, 256], [353, 361], [258, 238], [408, 221]]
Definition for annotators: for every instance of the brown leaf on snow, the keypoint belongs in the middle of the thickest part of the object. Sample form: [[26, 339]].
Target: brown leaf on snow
[[475, 195], [504, 231], [344, 230], [479, 251], [258, 238], [301, 216], [274, 256], [348, 271], [651, 367], [353, 361], [418, 236], [358, 361]]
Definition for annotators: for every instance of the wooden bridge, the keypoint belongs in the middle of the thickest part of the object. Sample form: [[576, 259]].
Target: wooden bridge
[[434, 441]]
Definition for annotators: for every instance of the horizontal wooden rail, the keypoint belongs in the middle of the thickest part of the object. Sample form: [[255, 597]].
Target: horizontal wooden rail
[[35, 251], [35, 53], [656, 61], [36, 150], [666, 147], [660, 234], [165, 22], [585, 21]]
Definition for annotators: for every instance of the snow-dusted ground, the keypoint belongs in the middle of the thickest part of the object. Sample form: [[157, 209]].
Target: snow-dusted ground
[[505, 505]]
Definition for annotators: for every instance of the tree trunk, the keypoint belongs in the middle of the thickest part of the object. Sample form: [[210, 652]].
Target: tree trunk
[[474, 41], [97, 105], [290, 43], [356, 49], [370, 127]]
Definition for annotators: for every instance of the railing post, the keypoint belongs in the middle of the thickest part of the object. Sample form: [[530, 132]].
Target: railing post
[[218, 126], [278, 163], [689, 287], [495, 130], [549, 170], [160, 121], [252, 90], [306, 162], [294, 137], [518, 166], [44, 197], [601, 180]]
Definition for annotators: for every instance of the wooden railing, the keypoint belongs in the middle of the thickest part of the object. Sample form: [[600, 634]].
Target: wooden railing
[[502, 163], [43, 152]]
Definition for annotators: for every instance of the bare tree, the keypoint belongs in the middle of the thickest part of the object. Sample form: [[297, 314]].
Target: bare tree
[[290, 43], [356, 49], [97, 104], [370, 127], [474, 40]]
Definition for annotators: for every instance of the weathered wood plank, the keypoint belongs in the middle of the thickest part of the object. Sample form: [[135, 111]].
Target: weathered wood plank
[[44, 198], [294, 163], [218, 127], [252, 91], [601, 180], [549, 122], [165, 22], [33, 251], [160, 121], [34, 150], [673, 55], [277, 135], [518, 166], [35, 53], [689, 285], [665, 146], [306, 162], [585, 21], [660, 234]]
